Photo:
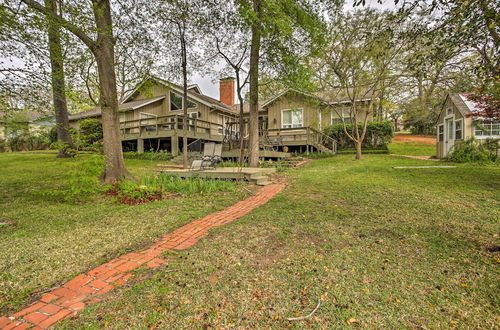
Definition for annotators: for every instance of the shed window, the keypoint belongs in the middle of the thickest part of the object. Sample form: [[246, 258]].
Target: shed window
[[459, 129], [441, 133], [176, 102], [448, 111], [483, 130], [292, 118]]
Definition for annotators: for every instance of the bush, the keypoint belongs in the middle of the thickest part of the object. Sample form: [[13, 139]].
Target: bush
[[148, 155], [187, 186], [27, 142], [129, 192], [475, 151], [90, 132], [378, 134]]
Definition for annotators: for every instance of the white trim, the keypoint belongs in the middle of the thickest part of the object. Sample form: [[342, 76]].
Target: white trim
[[292, 109], [461, 128], [437, 132], [144, 104]]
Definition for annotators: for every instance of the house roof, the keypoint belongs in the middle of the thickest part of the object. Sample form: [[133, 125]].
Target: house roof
[[96, 112], [27, 116], [192, 94]]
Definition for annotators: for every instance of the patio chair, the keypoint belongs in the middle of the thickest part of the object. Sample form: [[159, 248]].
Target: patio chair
[[212, 154]]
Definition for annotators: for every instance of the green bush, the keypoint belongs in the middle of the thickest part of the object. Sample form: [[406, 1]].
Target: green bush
[[27, 141], [83, 181], [90, 132], [129, 192], [148, 155], [475, 151], [378, 134], [313, 155], [187, 186]]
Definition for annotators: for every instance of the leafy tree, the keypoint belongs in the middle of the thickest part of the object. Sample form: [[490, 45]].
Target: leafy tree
[[360, 62], [102, 47]]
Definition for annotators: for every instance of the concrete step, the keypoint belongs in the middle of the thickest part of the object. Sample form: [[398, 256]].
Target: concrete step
[[263, 183]]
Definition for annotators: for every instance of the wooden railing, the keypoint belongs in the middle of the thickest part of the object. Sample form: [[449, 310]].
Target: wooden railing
[[148, 126], [306, 135]]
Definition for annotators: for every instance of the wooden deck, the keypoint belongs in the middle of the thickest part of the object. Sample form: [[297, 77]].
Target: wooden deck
[[235, 153], [255, 175]]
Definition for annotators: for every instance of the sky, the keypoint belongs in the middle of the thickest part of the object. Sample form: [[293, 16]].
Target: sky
[[210, 85]]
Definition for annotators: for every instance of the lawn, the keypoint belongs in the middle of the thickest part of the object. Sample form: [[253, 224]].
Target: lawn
[[412, 148], [382, 248], [49, 241]]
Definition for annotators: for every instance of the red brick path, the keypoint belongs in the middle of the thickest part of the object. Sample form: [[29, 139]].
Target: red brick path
[[87, 288]]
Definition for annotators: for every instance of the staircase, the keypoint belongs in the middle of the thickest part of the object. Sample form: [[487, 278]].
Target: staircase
[[321, 141]]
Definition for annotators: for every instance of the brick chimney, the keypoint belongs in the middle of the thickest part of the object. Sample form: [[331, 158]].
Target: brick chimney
[[226, 90]]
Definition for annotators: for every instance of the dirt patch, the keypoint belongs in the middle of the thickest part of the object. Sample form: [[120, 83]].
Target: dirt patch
[[415, 138]]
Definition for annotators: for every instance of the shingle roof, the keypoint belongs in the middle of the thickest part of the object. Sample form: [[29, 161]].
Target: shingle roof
[[96, 112]]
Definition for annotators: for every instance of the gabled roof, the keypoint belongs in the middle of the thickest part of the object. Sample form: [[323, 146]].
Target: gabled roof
[[96, 112], [192, 94], [195, 88]]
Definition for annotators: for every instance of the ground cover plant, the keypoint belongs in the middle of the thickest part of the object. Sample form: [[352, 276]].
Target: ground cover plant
[[49, 240], [382, 248]]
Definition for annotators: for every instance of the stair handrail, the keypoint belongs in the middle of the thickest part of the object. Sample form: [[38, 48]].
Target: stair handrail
[[325, 139]]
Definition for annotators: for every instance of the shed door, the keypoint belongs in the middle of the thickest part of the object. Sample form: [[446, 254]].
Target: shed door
[[449, 136]]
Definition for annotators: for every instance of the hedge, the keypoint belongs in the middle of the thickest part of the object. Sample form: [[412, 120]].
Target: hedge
[[378, 134]]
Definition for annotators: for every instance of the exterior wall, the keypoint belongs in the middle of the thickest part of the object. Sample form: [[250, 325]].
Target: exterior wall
[[456, 115], [311, 117]]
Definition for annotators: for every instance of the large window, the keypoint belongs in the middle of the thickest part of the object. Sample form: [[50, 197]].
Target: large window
[[459, 129], [292, 118], [176, 102], [441, 133], [483, 130]]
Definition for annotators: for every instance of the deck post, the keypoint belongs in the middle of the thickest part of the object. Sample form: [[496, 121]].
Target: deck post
[[175, 145], [140, 146]]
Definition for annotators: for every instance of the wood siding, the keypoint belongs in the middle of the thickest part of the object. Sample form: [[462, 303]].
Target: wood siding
[[468, 126]]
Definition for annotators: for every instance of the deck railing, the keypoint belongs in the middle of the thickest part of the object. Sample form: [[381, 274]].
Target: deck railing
[[148, 126]]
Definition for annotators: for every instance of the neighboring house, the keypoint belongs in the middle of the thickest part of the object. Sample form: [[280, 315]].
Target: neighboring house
[[151, 116], [456, 123], [14, 124]]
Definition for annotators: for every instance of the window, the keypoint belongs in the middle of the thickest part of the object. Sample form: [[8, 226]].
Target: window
[[449, 129], [176, 102], [292, 118], [483, 130], [449, 111], [441, 133], [458, 129]]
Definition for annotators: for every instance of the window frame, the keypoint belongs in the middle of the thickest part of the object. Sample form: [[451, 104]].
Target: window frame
[[440, 133], [291, 118], [461, 130], [488, 134], [182, 105]]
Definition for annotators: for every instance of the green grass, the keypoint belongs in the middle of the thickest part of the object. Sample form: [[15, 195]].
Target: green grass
[[412, 148], [50, 241], [390, 248]]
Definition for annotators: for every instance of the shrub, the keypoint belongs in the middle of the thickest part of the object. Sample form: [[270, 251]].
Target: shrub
[[83, 181], [129, 192], [313, 155], [187, 186], [148, 155], [475, 151], [378, 134], [90, 131], [27, 141]]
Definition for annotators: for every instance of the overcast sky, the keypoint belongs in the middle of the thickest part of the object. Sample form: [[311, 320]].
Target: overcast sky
[[211, 88]]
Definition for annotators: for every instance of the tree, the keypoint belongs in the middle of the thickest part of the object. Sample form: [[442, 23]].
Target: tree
[[282, 33], [103, 50], [179, 19], [360, 63], [58, 82]]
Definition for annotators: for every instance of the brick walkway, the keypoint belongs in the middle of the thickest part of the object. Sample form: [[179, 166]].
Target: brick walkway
[[88, 288]]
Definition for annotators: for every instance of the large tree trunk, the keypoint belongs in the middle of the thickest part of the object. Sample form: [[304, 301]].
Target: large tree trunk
[[185, 159], [108, 100], [58, 83], [253, 124]]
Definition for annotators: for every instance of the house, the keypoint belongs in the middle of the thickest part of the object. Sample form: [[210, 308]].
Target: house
[[456, 123], [13, 124], [151, 117], [293, 120]]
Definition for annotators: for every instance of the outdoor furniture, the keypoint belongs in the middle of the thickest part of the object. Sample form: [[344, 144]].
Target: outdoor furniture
[[212, 154]]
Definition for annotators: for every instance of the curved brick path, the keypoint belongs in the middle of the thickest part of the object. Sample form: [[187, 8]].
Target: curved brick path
[[87, 288]]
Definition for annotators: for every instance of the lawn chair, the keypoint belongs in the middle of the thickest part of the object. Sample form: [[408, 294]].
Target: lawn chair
[[212, 154]]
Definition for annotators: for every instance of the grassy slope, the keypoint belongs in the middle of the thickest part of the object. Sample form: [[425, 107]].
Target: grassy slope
[[389, 248], [412, 148], [52, 241]]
